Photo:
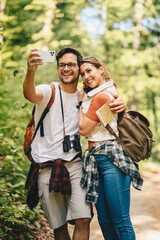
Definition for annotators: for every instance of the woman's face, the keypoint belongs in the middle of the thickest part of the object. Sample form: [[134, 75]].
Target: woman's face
[[92, 76]]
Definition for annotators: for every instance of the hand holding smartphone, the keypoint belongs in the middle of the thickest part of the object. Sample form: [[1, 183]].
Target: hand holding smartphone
[[48, 56]]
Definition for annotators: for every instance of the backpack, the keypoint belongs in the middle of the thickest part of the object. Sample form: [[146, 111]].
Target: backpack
[[31, 131], [135, 135]]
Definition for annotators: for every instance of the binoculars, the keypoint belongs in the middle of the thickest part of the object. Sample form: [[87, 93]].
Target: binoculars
[[67, 143]]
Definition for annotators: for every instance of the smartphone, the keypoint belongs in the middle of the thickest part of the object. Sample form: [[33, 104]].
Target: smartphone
[[48, 56]]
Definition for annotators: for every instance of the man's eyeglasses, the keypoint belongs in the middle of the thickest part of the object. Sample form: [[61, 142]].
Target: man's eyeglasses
[[70, 65]]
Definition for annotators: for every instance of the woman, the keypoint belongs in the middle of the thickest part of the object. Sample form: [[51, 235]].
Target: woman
[[107, 169]]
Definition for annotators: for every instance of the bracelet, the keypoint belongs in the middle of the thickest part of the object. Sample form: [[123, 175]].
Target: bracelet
[[79, 104]]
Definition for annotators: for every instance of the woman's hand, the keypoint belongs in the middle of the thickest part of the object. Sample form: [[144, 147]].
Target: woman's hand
[[81, 94], [118, 105]]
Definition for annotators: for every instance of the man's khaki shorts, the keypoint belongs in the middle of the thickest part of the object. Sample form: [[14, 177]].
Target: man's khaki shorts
[[61, 208]]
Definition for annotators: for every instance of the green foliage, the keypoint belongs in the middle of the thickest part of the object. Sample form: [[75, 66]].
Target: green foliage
[[15, 216]]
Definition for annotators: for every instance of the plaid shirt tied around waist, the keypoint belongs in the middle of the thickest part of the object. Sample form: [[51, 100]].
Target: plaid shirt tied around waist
[[59, 180], [113, 150]]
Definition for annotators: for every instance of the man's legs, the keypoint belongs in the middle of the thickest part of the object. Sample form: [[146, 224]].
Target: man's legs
[[53, 203], [78, 209], [81, 231], [61, 208], [61, 233]]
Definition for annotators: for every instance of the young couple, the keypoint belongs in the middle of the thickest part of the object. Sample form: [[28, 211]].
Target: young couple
[[104, 174]]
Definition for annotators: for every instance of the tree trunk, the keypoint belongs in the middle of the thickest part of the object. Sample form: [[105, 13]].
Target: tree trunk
[[2, 12], [139, 9], [153, 96], [48, 24], [104, 15]]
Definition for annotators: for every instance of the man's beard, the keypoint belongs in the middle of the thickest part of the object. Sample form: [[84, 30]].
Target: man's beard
[[67, 83]]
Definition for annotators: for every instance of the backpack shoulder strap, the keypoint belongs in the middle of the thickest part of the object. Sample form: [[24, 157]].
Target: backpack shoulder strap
[[111, 131], [51, 101], [46, 110]]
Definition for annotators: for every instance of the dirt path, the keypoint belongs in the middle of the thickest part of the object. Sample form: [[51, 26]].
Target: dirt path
[[145, 208], [145, 212]]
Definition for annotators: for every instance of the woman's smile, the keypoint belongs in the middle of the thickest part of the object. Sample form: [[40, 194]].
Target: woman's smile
[[92, 76]]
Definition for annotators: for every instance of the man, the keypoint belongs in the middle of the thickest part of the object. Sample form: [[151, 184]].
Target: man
[[60, 141]]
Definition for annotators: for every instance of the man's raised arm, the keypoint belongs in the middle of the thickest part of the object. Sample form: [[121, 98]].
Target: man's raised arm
[[30, 92]]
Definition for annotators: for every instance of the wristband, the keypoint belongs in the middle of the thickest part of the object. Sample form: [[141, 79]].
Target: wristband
[[79, 104]]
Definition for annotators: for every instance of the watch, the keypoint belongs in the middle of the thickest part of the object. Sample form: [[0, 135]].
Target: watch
[[79, 104]]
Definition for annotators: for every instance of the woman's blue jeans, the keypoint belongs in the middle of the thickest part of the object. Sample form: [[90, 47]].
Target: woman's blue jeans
[[113, 206]]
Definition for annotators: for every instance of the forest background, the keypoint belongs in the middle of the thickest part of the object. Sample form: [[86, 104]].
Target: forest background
[[123, 34]]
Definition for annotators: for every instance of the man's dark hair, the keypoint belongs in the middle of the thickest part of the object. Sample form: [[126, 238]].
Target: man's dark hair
[[69, 50]]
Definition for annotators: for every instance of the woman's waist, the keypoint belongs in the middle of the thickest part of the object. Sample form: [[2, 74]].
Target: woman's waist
[[100, 137], [91, 143]]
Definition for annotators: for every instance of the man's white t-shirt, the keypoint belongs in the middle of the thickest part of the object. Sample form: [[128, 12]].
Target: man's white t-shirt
[[50, 146]]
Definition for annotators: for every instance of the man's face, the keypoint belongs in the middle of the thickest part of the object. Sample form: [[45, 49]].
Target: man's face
[[69, 73]]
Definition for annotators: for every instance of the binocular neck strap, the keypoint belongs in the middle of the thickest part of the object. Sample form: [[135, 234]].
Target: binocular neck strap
[[60, 94]]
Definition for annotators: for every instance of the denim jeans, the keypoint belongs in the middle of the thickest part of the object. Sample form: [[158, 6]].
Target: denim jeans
[[113, 206]]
